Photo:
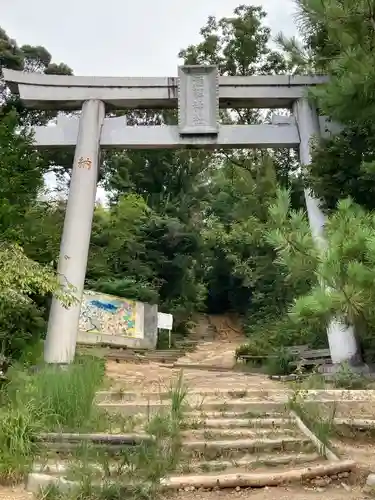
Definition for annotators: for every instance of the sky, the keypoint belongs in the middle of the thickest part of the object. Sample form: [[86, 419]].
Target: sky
[[123, 37]]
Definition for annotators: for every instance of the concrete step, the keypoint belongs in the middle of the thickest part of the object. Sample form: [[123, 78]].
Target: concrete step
[[214, 420], [249, 407], [248, 392], [240, 432], [231, 448], [250, 462]]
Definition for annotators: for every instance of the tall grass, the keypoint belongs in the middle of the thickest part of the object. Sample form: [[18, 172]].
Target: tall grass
[[18, 428], [63, 395], [134, 472], [51, 399], [319, 418]]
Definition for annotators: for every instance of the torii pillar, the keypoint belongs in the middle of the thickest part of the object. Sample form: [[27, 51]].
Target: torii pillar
[[62, 325], [341, 337]]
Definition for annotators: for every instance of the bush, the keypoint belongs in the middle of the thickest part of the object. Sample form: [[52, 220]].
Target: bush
[[65, 394], [282, 331], [21, 327], [346, 378], [281, 363], [52, 399]]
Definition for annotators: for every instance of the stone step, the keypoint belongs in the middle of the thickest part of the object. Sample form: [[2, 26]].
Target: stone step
[[249, 407], [231, 448], [214, 421], [209, 394], [241, 432], [250, 462]]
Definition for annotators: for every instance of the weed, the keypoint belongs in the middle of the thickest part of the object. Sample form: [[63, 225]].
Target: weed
[[320, 419], [281, 363], [18, 429], [47, 400], [135, 471], [66, 395], [178, 394], [347, 378]]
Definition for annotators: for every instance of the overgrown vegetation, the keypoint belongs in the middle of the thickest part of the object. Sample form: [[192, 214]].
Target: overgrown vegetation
[[54, 400], [133, 472], [51, 399], [319, 418]]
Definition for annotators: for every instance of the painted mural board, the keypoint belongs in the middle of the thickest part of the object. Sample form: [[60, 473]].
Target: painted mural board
[[110, 315]]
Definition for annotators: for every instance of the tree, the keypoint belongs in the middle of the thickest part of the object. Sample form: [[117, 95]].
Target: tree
[[239, 270], [21, 175], [339, 36], [24, 283], [341, 275], [22, 279]]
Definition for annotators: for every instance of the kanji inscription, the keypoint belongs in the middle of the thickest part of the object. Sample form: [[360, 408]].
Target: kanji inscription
[[84, 163], [198, 100]]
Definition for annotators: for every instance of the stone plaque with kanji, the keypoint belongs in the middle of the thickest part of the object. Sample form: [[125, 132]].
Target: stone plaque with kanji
[[198, 100]]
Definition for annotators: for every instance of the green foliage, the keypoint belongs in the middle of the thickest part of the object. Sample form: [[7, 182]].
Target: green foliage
[[21, 175], [257, 348], [18, 428], [238, 45], [343, 276], [347, 378], [21, 321], [64, 396], [281, 363], [52, 399], [269, 341], [338, 37], [285, 331], [139, 469]]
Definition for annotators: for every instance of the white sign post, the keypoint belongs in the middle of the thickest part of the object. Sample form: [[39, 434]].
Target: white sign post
[[165, 322]]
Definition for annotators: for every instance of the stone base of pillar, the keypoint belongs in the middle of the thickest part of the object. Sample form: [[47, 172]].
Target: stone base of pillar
[[342, 343]]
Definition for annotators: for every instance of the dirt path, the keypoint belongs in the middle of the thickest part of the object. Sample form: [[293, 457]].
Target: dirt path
[[154, 377], [17, 493]]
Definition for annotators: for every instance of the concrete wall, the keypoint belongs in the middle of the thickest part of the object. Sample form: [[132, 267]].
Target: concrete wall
[[115, 320]]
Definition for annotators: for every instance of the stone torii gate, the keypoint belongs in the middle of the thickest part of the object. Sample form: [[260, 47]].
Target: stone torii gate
[[198, 92]]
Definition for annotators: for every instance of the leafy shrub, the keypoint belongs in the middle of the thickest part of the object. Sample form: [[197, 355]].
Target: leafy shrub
[[21, 327], [280, 363], [51, 399], [346, 378], [282, 331], [254, 347], [273, 337]]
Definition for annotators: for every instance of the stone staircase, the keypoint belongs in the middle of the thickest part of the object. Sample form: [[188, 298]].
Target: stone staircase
[[230, 438]]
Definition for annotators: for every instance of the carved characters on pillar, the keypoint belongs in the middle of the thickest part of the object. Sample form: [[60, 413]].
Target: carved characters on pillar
[[84, 163]]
